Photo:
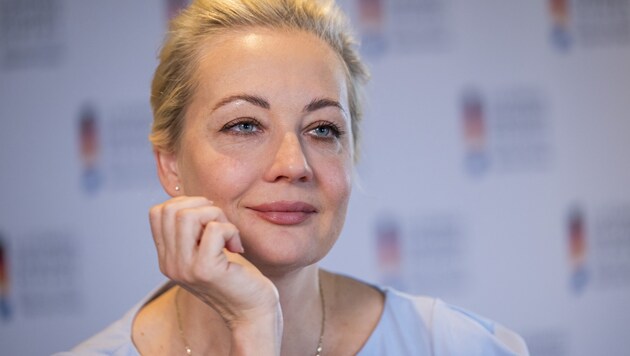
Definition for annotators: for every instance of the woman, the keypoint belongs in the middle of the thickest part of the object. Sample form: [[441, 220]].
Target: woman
[[256, 115]]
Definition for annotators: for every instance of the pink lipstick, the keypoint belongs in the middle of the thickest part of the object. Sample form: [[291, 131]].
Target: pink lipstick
[[284, 212]]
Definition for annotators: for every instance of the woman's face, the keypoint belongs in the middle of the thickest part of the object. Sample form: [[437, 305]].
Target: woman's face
[[267, 138]]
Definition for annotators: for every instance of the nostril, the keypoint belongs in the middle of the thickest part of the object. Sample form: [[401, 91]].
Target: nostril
[[289, 162]]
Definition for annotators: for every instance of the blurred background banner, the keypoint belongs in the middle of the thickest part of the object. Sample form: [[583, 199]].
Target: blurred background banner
[[495, 168]]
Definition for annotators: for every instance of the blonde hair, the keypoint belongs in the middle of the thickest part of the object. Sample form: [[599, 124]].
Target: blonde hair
[[173, 83]]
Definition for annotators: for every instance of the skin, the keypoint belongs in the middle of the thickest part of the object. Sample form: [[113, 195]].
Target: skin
[[267, 124]]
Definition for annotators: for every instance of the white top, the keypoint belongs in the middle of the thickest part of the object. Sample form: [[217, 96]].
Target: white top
[[409, 325]]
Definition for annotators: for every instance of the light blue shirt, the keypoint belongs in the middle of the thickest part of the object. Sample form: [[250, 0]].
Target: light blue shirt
[[410, 325], [419, 325]]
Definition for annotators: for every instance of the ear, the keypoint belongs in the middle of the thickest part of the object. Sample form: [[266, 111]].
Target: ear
[[168, 172]]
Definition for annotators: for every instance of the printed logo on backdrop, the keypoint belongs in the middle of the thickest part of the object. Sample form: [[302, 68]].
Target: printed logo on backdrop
[[589, 23], [425, 255], [30, 33], [560, 24], [47, 274], [6, 309], [437, 258], [114, 149], [372, 25], [610, 246], [598, 247], [388, 249], [577, 248], [128, 153], [474, 132], [505, 131], [90, 150], [403, 26]]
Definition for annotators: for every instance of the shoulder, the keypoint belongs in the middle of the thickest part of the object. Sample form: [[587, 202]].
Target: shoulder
[[457, 328], [116, 339], [445, 329]]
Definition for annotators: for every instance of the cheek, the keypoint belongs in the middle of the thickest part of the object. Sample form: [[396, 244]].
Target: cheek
[[220, 178], [337, 183], [338, 189]]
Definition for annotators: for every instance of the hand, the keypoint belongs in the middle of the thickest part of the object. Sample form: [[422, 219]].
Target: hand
[[199, 248]]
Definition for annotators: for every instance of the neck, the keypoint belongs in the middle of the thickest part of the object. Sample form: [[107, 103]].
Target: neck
[[297, 289], [301, 310]]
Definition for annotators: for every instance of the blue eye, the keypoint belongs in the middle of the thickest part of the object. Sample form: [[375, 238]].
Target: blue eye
[[323, 130], [242, 127], [326, 130]]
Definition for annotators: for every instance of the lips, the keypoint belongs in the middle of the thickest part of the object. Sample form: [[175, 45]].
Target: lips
[[284, 212]]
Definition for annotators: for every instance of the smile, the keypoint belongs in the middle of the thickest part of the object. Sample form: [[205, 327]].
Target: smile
[[284, 212]]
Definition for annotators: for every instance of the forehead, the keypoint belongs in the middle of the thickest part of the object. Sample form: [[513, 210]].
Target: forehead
[[269, 62]]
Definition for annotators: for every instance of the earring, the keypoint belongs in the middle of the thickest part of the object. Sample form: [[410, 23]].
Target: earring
[[177, 188]]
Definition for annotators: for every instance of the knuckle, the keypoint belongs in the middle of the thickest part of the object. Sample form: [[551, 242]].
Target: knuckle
[[169, 209], [211, 212], [214, 224], [211, 227], [155, 212], [213, 208], [182, 215], [233, 229], [229, 228]]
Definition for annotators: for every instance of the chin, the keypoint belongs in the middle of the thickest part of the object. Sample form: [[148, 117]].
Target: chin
[[282, 255]]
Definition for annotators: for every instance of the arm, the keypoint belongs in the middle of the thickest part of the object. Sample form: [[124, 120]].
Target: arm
[[199, 249]]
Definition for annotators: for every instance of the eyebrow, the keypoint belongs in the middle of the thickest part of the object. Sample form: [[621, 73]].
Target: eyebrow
[[314, 105], [252, 99], [320, 103]]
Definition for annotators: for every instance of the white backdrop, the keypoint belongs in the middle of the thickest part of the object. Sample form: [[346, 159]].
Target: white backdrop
[[494, 170]]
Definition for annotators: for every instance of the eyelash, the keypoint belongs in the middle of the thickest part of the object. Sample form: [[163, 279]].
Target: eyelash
[[230, 127], [335, 130]]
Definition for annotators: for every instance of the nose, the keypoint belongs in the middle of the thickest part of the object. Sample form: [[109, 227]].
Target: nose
[[289, 162]]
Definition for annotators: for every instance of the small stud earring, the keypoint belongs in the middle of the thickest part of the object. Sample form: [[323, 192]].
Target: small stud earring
[[177, 188]]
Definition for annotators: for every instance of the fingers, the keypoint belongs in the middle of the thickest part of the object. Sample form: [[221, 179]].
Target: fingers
[[172, 216], [211, 255], [189, 226], [162, 223], [190, 234], [199, 249]]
